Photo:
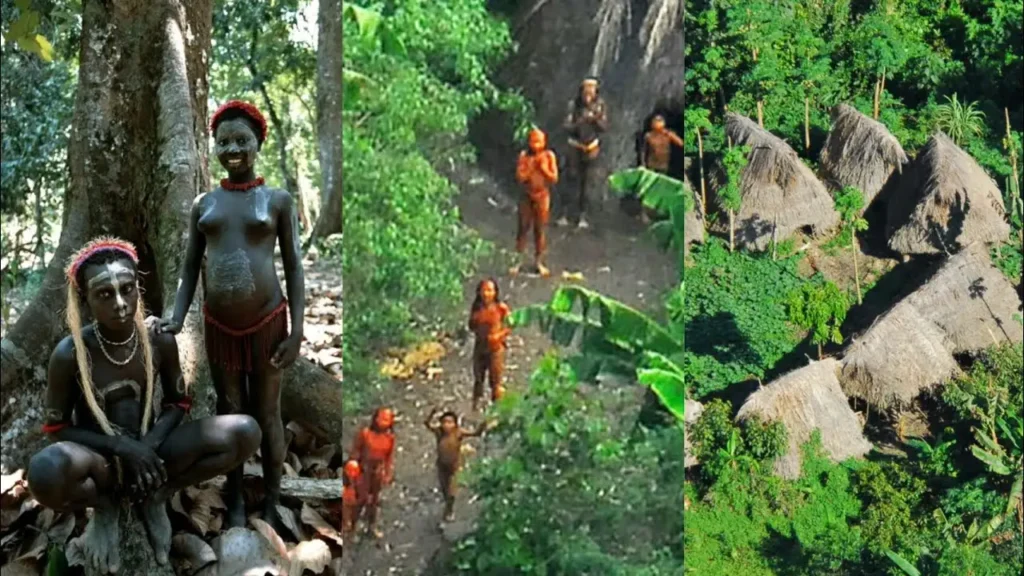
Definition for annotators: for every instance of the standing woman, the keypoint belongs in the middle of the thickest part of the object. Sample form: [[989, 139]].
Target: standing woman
[[487, 321], [586, 120], [236, 227]]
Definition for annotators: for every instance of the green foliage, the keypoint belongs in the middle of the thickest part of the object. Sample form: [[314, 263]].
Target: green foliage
[[734, 161], [719, 444], [666, 195], [425, 67], [575, 491], [613, 339], [960, 121], [850, 205], [821, 308], [25, 32], [734, 316]]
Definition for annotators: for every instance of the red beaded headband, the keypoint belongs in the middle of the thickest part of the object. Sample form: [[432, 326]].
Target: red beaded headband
[[98, 245], [249, 110]]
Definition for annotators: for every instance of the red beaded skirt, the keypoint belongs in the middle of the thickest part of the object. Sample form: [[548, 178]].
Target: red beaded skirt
[[238, 350]]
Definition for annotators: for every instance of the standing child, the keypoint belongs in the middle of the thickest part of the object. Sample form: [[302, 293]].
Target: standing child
[[351, 499], [537, 170], [374, 450], [449, 454], [656, 151], [487, 321]]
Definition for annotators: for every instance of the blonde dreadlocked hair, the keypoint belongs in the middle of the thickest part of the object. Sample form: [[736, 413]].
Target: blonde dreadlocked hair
[[74, 319]]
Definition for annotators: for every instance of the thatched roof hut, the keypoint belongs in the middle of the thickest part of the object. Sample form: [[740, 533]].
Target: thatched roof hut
[[781, 195], [860, 152], [804, 400], [971, 301], [900, 356], [946, 200]]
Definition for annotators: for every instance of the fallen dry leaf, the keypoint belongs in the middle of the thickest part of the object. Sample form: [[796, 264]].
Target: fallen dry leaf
[[313, 555], [288, 519], [217, 523], [301, 440], [204, 501], [18, 568], [8, 481], [193, 550], [320, 458], [314, 520], [293, 460], [36, 549], [268, 532], [61, 530], [289, 471]]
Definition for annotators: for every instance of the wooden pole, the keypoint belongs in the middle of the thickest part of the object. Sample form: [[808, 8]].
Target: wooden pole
[[703, 185], [760, 113], [807, 124], [874, 109], [732, 232], [856, 268]]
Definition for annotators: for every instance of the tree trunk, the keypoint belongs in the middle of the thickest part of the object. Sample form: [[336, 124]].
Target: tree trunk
[[137, 158], [807, 124], [328, 104], [856, 268], [40, 250], [703, 185], [732, 231]]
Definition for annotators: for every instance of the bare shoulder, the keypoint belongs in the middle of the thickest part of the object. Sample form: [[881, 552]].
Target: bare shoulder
[[63, 354], [280, 199], [164, 342]]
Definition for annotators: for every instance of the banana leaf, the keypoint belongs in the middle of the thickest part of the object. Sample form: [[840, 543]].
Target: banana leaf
[[903, 563]]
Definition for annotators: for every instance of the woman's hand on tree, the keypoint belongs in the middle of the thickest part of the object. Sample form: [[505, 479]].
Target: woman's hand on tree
[[143, 461], [169, 325], [287, 352]]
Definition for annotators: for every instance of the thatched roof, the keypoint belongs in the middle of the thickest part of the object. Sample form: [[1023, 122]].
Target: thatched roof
[[860, 152], [780, 193], [946, 200], [900, 356], [804, 400], [971, 301]]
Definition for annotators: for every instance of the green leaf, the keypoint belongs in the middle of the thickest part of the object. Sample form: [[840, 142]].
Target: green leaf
[[903, 563], [995, 463], [45, 48], [368, 21]]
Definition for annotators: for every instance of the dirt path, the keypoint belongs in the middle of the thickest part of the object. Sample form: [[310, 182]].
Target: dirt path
[[614, 257]]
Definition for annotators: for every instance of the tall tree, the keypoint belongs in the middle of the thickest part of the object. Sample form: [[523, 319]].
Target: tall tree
[[137, 159], [328, 102]]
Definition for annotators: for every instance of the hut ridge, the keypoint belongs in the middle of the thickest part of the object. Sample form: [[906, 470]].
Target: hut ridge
[[946, 201], [781, 195], [860, 152]]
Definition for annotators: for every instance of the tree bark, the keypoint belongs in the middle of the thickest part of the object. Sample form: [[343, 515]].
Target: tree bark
[[328, 103], [138, 158]]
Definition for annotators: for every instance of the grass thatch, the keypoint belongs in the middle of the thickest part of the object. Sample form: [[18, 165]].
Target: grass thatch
[[780, 193], [691, 414], [946, 200], [971, 301], [900, 356], [804, 400], [860, 152]]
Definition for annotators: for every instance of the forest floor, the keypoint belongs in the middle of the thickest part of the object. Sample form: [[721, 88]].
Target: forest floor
[[615, 258]]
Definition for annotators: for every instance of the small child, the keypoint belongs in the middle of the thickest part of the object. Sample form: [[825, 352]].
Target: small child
[[351, 500], [449, 454], [374, 450], [656, 152]]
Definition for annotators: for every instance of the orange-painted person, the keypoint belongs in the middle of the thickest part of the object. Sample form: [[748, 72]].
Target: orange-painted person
[[487, 321], [374, 450], [351, 499], [537, 171]]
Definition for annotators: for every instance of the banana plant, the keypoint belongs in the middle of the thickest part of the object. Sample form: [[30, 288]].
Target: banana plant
[[1002, 460], [612, 338], [663, 194], [904, 564]]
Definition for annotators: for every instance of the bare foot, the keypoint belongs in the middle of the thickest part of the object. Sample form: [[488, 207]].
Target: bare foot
[[583, 225], [376, 532], [235, 515], [101, 541], [514, 271], [158, 527], [562, 222], [449, 517], [543, 270]]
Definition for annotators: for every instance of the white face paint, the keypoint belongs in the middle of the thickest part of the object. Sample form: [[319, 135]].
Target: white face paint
[[119, 276]]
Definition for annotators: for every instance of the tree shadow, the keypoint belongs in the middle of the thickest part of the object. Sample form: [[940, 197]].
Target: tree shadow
[[892, 287]]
